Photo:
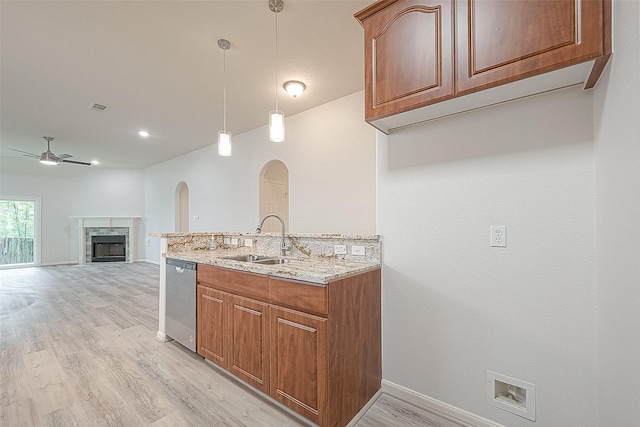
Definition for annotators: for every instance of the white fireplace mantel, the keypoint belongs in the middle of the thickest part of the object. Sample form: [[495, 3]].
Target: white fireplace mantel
[[106, 221], [85, 222]]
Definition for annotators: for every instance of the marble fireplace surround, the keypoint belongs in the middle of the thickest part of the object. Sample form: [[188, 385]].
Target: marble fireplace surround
[[106, 226]]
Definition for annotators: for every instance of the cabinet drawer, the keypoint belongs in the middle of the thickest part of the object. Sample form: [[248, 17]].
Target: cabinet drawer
[[299, 295], [245, 284]]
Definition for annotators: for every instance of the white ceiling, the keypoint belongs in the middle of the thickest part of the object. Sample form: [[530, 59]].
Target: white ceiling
[[158, 67]]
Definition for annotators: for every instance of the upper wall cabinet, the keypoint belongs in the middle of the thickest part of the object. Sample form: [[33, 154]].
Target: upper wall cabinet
[[409, 56], [422, 56]]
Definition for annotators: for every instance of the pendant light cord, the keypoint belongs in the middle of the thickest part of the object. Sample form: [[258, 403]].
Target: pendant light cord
[[224, 92], [276, 85]]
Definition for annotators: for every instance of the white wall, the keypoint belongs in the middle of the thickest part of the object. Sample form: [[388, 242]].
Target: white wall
[[109, 192], [453, 307], [98, 192], [617, 119], [330, 154], [54, 194]]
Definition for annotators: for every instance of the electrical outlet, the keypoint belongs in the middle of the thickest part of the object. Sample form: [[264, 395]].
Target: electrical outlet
[[340, 249], [357, 250], [499, 236], [227, 241], [234, 241], [248, 242]]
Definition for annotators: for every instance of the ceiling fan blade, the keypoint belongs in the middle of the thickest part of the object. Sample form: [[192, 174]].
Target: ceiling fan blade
[[75, 163], [25, 153], [63, 156]]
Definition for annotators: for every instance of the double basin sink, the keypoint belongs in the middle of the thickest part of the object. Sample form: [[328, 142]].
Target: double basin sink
[[258, 259]]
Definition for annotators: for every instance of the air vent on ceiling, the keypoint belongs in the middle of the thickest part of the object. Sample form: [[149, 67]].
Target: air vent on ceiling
[[98, 107]]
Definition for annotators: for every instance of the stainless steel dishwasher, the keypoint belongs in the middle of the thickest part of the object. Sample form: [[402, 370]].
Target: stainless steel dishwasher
[[181, 302]]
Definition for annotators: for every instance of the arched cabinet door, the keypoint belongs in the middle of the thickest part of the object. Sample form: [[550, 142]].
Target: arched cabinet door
[[501, 41], [408, 55]]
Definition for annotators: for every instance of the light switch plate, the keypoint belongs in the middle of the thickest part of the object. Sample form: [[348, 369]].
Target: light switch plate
[[227, 241], [357, 250], [340, 249]]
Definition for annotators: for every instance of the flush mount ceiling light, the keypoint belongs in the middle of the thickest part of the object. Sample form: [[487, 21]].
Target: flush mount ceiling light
[[276, 117], [143, 133], [224, 137], [294, 88]]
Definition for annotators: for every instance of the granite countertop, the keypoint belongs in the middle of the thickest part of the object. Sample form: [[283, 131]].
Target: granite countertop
[[320, 270]]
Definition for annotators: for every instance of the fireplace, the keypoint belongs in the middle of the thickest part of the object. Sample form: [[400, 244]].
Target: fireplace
[[94, 226], [108, 248]]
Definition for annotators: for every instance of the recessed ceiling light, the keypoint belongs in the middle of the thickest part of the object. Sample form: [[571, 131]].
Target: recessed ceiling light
[[95, 162], [143, 133]]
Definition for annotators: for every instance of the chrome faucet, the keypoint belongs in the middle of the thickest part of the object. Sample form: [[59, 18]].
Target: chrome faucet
[[283, 247]]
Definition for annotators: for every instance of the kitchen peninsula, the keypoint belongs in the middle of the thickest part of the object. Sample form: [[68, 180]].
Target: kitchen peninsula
[[304, 328]]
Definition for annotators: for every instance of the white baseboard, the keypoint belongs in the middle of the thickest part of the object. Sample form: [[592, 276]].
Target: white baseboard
[[436, 406], [58, 263]]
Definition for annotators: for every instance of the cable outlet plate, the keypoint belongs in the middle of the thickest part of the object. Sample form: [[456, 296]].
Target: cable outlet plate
[[512, 395]]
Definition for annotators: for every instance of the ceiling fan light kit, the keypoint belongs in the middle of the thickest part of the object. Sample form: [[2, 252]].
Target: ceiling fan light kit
[[48, 157]]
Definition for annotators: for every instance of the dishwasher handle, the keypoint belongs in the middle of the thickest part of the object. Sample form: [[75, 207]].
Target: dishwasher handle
[[181, 265]]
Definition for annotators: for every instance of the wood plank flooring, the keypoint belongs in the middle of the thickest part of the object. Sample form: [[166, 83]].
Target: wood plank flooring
[[78, 348]]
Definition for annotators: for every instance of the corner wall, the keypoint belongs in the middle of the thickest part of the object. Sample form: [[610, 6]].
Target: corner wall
[[454, 307], [617, 121]]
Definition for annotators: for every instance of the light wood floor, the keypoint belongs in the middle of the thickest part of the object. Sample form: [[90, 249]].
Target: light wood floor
[[78, 348]]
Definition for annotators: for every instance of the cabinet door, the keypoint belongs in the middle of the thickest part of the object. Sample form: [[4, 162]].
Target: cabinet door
[[212, 325], [249, 341], [299, 362], [505, 40], [408, 55]]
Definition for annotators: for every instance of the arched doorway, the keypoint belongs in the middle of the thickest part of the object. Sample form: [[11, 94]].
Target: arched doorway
[[182, 208], [274, 195]]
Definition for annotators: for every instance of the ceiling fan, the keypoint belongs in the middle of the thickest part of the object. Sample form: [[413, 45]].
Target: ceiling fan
[[48, 158]]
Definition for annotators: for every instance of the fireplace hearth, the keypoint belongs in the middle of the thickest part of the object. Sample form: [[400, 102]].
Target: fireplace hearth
[[108, 248]]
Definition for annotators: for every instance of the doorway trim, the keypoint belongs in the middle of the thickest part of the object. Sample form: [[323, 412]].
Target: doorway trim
[[181, 212], [267, 180]]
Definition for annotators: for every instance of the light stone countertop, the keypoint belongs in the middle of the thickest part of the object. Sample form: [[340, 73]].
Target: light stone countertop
[[315, 270]]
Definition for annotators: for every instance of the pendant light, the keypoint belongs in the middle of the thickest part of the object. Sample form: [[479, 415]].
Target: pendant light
[[276, 117], [224, 137]]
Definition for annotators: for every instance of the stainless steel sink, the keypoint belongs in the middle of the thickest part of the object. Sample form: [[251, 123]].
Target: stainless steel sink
[[271, 261], [258, 259], [249, 258]]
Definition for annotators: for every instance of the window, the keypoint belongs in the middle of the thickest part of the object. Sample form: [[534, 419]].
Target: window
[[18, 232]]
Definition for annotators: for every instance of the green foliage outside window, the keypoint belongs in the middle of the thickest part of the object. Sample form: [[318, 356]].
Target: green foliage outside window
[[16, 218]]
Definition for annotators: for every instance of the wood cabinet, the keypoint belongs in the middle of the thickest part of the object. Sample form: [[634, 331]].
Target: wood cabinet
[[249, 341], [422, 52], [232, 330], [314, 348], [299, 362], [408, 56], [212, 329]]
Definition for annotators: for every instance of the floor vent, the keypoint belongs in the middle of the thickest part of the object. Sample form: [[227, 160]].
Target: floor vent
[[98, 107]]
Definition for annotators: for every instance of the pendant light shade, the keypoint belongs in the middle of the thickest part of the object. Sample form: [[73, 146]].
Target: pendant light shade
[[224, 137], [224, 144], [276, 117], [276, 126]]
